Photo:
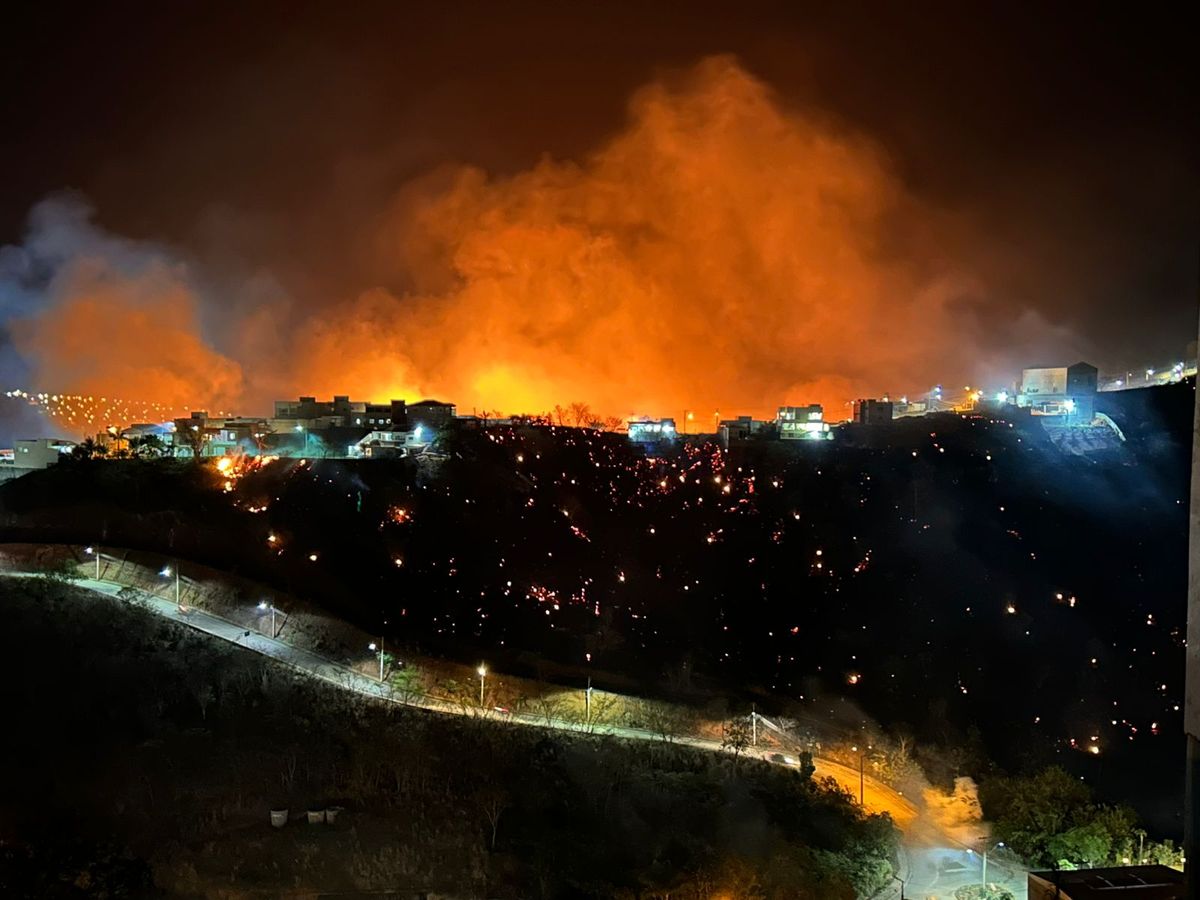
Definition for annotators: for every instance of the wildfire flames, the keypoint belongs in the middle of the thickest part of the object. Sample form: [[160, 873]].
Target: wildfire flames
[[720, 252]]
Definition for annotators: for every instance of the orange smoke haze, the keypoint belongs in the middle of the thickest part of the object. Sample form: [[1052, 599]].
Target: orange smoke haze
[[720, 252], [127, 335]]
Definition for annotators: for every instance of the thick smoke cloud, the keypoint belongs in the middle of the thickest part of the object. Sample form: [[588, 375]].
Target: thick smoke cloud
[[91, 313], [720, 251]]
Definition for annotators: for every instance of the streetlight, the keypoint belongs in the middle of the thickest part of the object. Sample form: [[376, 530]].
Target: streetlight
[[372, 646], [166, 573], [862, 771], [264, 606], [482, 670], [987, 850], [587, 700], [303, 431], [901, 880], [94, 551]]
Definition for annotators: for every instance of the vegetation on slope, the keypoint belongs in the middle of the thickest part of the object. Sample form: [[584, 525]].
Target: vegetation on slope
[[149, 756]]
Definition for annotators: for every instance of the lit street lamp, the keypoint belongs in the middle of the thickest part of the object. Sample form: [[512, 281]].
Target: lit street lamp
[[303, 431], [986, 851], [379, 647], [482, 670], [264, 606], [95, 551], [166, 573]]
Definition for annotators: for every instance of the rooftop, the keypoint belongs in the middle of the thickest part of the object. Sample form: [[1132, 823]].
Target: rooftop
[[1125, 882]]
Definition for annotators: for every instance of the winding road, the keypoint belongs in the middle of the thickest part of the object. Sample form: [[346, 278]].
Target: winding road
[[931, 868]]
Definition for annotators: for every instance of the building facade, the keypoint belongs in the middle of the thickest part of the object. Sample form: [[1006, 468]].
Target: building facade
[[802, 423], [873, 412], [1066, 392], [652, 431]]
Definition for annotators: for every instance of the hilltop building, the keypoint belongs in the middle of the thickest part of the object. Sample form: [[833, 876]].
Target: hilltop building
[[433, 414], [36, 453], [390, 444], [1068, 392], [652, 431], [873, 412], [802, 423], [738, 429]]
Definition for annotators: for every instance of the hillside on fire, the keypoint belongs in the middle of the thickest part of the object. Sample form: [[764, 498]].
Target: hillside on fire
[[1019, 591]]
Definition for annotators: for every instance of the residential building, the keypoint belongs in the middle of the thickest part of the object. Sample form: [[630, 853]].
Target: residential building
[[738, 429], [384, 416], [873, 412], [192, 434], [652, 431], [39, 453], [390, 444], [308, 409], [433, 414], [802, 423], [1125, 882], [1068, 392]]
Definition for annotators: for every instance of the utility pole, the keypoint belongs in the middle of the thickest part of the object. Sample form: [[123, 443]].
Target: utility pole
[[166, 573], [862, 769], [264, 605], [862, 777], [1191, 717]]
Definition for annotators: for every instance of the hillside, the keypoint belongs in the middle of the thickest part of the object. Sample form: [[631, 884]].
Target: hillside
[[150, 757], [956, 578]]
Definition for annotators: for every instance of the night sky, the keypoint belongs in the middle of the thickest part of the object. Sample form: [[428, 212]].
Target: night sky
[[1038, 170]]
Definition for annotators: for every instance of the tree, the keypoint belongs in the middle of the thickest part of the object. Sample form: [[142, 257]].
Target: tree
[[599, 710], [1087, 845], [88, 448], [192, 438], [549, 707], [1029, 811], [147, 446], [612, 423], [492, 800], [407, 685], [581, 414], [806, 766], [736, 735]]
